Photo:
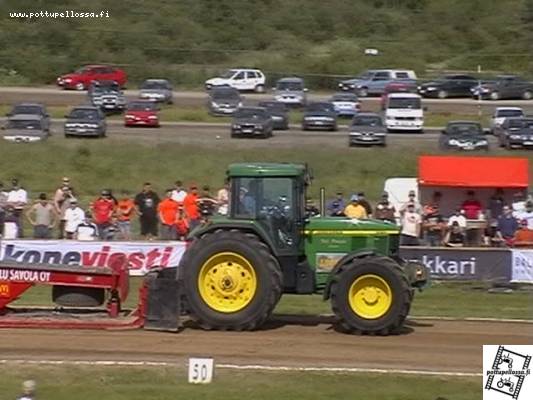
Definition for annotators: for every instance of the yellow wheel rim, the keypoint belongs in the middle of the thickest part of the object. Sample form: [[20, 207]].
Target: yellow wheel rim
[[370, 297], [227, 282]]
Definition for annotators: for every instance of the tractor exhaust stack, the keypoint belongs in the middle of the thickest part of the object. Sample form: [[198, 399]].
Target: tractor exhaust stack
[[322, 202]]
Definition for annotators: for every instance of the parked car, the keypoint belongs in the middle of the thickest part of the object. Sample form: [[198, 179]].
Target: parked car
[[319, 115], [159, 90], [82, 78], [291, 91], [142, 113], [223, 100], [367, 129], [252, 122], [504, 87], [31, 109], [397, 87], [515, 133], [345, 104], [25, 128], [374, 81], [278, 112], [501, 113], [85, 121], [107, 96], [463, 135], [404, 112], [240, 79], [448, 86]]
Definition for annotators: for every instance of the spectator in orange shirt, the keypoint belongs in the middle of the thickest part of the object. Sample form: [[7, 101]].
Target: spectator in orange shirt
[[168, 211], [523, 237], [102, 210], [190, 205], [125, 210]]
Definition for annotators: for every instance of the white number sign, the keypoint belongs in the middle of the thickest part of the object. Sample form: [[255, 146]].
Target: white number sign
[[201, 370]]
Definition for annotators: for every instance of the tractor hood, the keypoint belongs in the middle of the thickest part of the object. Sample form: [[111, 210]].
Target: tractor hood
[[341, 226]]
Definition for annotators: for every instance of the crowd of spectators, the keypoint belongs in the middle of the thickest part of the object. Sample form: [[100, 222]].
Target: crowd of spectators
[[108, 217], [471, 224]]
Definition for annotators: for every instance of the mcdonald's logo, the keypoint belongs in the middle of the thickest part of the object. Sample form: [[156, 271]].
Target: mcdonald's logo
[[5, 290]]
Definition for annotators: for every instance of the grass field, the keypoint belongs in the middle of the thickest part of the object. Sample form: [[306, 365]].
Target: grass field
[[442, 299], [200, 114], [135, 383]]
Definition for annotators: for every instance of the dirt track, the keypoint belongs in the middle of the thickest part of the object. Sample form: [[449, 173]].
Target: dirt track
[[288, 341]]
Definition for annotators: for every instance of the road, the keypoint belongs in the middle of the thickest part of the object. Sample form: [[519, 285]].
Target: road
[[52, 96], [285, 341]]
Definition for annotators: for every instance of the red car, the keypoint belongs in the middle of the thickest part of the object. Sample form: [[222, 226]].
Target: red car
[[142, 113], [82, 78], [396, 87]]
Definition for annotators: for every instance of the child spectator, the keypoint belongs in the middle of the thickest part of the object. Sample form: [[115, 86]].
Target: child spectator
[[74, 216], [45, 218], [125, 211], [87, 229], [167, 211], [455, 236]]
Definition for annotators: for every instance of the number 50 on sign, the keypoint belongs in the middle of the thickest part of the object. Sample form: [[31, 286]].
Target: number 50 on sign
[[201, 370]]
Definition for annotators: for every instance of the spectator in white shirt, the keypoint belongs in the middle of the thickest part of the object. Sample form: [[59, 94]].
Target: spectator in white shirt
[[74, 216], [411, 200], [411, 222], [178, 194], [459, 218], [18, 198], [87, 230], [526, 215]]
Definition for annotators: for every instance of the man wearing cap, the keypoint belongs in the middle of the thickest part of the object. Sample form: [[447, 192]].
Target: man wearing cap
[[28, 390], [384, 210], [354, 209], [18, 198], [336, 206], [45, 218], [102, 209], [74, 216], [190, 206], [146, 203]]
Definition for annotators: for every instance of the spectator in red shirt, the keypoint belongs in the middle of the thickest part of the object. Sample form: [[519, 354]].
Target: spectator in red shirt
[[471, 206], [167, 211], [190, 206], [102, 210]]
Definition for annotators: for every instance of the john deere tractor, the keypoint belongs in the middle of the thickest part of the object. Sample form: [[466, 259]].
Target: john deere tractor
[[238, 266]]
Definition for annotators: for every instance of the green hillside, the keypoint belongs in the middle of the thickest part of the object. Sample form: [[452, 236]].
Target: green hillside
[[189, 40]]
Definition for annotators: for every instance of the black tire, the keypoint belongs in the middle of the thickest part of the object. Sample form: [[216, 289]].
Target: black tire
[[74, 296], [388, 270], [266, 268]]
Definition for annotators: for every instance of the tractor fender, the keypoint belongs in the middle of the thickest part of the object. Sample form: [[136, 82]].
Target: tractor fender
[[343, 261]]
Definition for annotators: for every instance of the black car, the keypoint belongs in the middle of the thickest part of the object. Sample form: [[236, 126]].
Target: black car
[[252, 122], [320, 115], [516, 133], [32, 109], [85, 121], [279, 113], [504, 87], [448, 86], [108, 96], [223, 100], [463, 135], [367, 129]]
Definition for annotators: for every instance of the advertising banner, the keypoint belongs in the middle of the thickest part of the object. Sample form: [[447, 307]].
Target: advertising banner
[[522, 266], [141, 256], [462, 263]]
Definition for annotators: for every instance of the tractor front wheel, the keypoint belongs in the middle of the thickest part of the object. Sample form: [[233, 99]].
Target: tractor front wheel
[[231, 281], [371, 296]]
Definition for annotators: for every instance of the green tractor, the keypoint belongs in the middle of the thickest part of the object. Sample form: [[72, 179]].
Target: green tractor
[[237, 267]]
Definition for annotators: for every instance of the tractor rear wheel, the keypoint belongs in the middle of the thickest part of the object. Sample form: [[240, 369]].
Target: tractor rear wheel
[[231, 281], [371, 296]]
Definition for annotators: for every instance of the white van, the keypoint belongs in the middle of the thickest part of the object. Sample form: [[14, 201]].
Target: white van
[[404, 112]]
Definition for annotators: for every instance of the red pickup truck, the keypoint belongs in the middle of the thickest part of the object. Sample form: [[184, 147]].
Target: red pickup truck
[[82, 77]]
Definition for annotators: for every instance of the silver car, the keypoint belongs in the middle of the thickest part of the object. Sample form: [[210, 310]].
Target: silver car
[[25, 128], [159, 90], [291, 92]]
